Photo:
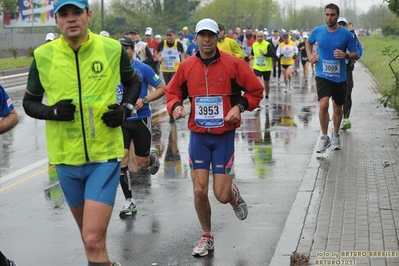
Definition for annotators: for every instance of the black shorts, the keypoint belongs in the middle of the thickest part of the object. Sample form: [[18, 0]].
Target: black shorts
[[286, 66], [264, 74], [140, 132], [328, 88]]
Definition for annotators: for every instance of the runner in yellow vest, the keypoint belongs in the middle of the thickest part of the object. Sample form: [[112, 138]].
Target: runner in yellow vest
[[287, 51], [261, 60], [228, 45]]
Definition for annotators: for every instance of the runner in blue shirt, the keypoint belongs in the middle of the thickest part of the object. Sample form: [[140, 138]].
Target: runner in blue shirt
[[9, 119], [137, 128], [192, 49], [333, 42], [7, 112], [188, 35]]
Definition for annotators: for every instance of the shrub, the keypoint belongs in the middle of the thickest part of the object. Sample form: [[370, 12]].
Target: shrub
[[14, 52], [29, 51]]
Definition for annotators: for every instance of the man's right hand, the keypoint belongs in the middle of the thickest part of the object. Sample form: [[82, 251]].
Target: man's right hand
[[63, 110], [179, 112]]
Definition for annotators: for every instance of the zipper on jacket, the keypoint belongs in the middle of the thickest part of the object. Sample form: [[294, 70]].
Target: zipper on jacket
[[81, 107], [206, 82]]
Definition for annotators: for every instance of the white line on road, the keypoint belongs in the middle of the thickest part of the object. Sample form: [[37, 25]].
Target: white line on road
[[9, 177]]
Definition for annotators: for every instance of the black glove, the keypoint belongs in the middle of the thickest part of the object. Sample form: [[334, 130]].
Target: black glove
[[294, 56], [115, 117], [63, 110], [281, 55]]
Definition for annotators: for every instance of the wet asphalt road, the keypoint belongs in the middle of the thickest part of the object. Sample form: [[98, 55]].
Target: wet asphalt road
[[273, 148]]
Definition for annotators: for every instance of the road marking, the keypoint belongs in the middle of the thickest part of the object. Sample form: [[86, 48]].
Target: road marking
[[4, 180]]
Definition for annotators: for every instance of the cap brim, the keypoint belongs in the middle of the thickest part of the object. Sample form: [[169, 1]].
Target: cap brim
[[207, 30], [126, 44], [79, 5]]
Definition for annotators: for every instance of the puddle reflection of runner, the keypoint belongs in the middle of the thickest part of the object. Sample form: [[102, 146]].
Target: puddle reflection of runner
[[54, 192], [172, 164], [263, 152], [286, 120]]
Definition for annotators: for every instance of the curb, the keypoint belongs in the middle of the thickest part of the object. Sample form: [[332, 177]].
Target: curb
[[290, 238]]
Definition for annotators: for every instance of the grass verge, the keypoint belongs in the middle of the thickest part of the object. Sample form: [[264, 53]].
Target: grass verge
[[376, 62], [11, 63]]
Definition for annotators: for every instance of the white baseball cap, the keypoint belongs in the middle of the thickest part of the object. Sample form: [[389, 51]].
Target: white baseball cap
[[342, 19], [207, 24], [158, 36], [104, 33], [49, 36], [148, 31]]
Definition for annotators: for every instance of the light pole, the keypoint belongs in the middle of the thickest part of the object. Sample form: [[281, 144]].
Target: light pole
[[188, 13], [235, 25], [102, 15]]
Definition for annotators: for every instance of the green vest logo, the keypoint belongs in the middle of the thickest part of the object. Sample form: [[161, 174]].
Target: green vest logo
[[97, 67]]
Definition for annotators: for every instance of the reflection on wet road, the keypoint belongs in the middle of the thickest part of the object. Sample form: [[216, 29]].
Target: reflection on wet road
[[273, 148]]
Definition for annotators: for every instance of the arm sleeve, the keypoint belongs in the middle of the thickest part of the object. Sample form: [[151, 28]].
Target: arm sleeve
[[34, 86], [160, 47], [270, 51], [34, 107], [148, 53], [129, 79]]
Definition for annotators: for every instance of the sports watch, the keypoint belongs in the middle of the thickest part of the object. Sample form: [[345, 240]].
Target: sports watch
[[128, 106], [145, 100], [242, 108]]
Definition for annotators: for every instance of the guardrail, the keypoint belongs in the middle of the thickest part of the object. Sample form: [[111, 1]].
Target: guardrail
[[14, 80], [14, 77]]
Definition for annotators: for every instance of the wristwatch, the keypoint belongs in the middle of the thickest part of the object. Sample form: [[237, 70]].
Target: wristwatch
[[145, 100], [346, 56], [129, 106], [242, 108]]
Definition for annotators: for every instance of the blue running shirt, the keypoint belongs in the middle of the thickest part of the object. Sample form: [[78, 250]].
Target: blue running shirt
[[147, 76], [328, 66]]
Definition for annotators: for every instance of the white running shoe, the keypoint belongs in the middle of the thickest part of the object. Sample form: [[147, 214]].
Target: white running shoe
[[335, 142], [129, 207], [324, 143], [240, 207], [202, 247], [155, 166]]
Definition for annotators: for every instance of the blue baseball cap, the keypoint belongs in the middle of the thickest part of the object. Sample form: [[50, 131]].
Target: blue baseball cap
[[79, 3]]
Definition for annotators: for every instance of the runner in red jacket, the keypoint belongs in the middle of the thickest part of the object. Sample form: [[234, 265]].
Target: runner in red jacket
[[220, 87]]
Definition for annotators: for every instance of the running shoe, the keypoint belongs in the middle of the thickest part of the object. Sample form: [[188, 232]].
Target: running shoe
[[335, 142], [155, 166], [239, 207], [202, 247], [346, 124], [129, 207], [116, 264], [324, 143]]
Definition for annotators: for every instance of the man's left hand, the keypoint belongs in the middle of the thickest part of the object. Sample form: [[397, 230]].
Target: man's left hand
[[116, 116], [234, 115]]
